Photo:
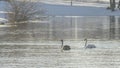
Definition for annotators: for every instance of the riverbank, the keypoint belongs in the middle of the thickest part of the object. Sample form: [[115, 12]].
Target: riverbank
[[50, 56]]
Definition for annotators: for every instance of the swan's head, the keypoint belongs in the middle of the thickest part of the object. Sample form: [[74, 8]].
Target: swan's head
[[61, 40], [85, 39]]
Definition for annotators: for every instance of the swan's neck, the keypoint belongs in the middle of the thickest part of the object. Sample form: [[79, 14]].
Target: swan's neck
[[62, 42], [85, 42]]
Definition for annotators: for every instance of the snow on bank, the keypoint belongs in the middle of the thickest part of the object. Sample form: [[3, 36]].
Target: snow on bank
[[2, 19], [74, 3]]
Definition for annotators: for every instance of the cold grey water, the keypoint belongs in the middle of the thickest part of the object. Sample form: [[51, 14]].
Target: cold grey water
[[64, 27]]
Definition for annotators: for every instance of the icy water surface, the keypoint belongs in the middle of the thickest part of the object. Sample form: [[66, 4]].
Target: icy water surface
[[61, 27]]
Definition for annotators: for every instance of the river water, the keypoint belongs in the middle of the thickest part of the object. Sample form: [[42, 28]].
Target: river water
[[64, 27]]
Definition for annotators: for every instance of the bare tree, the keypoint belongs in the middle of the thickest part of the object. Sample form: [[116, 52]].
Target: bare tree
[[112, 5], [23, 10]]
